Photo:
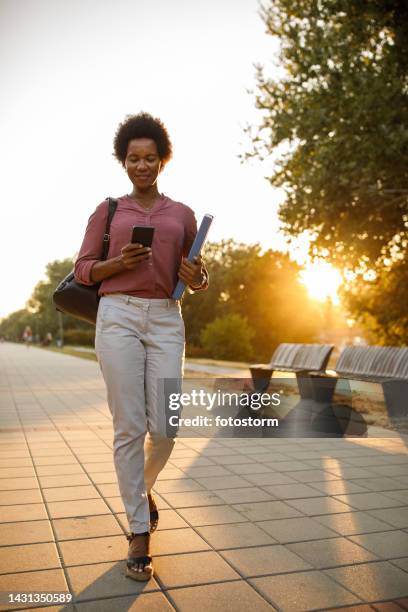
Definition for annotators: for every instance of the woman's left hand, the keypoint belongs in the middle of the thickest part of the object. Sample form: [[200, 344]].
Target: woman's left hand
[[192, 272]]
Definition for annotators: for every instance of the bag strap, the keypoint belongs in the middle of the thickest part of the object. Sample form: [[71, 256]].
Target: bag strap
[[112, 205]]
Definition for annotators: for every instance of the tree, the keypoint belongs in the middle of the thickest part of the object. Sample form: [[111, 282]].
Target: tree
[[381, 304], [339, 119], [42, 305], [41, 314], [343, 106], [12, 327]]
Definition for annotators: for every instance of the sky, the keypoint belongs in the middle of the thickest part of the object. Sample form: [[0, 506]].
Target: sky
[[71, 72]]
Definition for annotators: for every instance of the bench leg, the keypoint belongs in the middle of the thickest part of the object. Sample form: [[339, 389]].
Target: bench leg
[[396, 400], [323, 388], [304, 385], [261, 378]]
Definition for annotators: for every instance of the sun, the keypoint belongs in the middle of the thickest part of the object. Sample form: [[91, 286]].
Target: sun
[[322, 281]]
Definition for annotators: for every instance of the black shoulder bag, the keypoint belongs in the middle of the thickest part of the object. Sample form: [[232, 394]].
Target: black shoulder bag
[[81, 301]]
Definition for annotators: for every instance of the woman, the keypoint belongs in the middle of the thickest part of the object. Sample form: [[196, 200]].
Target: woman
[[139, 329]]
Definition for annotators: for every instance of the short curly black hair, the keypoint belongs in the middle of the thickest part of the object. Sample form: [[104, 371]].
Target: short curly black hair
[[142, 125]]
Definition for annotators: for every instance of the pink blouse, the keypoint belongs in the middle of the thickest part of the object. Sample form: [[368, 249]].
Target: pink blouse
[[175, 229]]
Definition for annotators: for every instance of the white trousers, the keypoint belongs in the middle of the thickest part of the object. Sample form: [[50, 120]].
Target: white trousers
[[138, 343]]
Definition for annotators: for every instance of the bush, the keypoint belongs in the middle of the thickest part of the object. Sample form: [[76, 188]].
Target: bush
[[195, 351], [228, 337], [79, 337]]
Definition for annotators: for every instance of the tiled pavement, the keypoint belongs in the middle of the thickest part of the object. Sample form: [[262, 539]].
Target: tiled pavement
[[282, 524]]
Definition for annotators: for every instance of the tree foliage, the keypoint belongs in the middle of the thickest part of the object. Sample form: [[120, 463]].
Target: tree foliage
[[12, 327], [40, 313], [381, 304], [340, 116]]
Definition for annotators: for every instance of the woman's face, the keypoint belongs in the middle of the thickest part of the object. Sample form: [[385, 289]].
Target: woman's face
[[142, 162]]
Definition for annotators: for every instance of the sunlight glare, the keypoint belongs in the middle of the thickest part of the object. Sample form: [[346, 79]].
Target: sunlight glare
[[322, 281]]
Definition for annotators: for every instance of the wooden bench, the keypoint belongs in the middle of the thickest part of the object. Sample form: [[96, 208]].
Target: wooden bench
[[297, 358], [385, 365]]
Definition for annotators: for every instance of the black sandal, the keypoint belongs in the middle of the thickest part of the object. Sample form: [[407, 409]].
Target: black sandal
[[132, 564], [154, 513]]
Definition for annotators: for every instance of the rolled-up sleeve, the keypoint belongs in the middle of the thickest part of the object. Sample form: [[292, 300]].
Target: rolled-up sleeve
[[92, 245]]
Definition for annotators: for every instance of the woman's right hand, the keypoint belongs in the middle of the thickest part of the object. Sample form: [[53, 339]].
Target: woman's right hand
[[130, 257], [132, 254]]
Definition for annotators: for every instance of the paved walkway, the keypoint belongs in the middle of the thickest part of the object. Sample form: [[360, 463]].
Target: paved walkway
[[282, 524]]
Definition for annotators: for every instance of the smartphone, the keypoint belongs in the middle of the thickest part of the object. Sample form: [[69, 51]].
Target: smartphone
[[143, 234]]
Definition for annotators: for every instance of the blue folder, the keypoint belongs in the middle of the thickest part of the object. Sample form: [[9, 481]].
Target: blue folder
[[195, 250]]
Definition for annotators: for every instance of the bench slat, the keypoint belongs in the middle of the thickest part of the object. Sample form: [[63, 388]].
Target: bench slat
[[374, 362], [284, 356], [294, 357]]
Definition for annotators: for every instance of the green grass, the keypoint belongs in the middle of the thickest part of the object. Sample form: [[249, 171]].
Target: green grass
[[219, 362], [67, 350]]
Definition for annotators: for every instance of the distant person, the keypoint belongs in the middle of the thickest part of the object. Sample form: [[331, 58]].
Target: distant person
[[48, 339], [140, 328], [27, 336]]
